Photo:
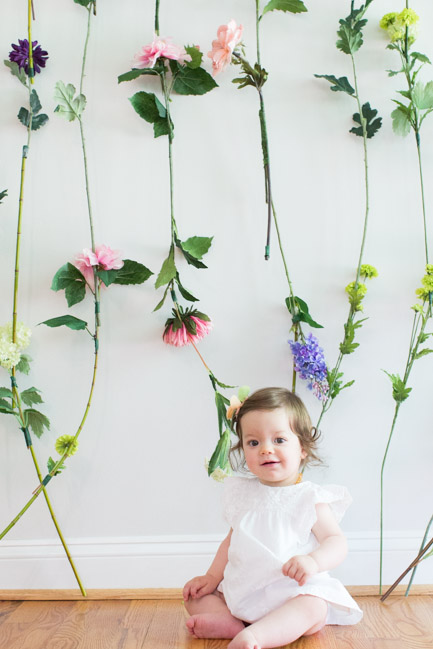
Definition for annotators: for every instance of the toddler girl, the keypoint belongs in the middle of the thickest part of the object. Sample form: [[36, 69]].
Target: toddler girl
[[268, 584]]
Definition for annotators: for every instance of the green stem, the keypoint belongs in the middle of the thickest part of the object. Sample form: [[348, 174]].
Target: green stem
[[424, 541], [83, 66], [418, 147], [411, 359], [166, 93], [258, 30], [157, 17]]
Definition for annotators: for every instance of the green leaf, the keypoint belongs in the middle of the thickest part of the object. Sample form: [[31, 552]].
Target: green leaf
[[35, 104], [3, 194], [6, 407], [132, 272], [51, 464], [168, 270], [193, 81], [5, 393], [422, 95], [422, 353], [68, 321], [148, 106], [337, 85], [134, 74], [400, 121], [420, 57], [350, 38], [37, 121], [220, 402], [69, 278], [300, 312], [31, 396], [24, 364], [196, 56], [294, 6], [69, 106], [399, 390], [159, 305], [197, 246], [83, 3], [16, 71], [193, 261], [36, 421], [221, 453], [107, 276], [372, 125], [184, 292]]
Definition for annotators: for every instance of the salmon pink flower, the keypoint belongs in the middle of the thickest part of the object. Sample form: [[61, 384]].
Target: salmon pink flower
[[186, 327], [159, 48], [228, 36], [104, 258]]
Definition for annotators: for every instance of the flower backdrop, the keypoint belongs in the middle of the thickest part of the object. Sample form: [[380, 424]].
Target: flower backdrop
[[178, 182]]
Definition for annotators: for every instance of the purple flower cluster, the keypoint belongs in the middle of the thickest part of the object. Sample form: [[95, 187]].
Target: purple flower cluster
[[309, 363], [20, 54]]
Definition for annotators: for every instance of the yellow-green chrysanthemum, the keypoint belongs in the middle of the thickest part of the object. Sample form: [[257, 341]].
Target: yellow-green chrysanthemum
[[66, 443], [388, 19], [408, 17], [368, 271]]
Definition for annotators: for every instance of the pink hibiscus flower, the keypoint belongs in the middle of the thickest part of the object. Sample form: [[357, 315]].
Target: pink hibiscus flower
[[192, 329], [159, 48], [103, 257], [228, 36]]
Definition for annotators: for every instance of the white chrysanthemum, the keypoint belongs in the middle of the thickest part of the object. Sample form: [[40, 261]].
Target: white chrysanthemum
[[219, 474], [22, 334], [9, 353]]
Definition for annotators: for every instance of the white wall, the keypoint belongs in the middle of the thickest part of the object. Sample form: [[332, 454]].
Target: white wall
[[138, 482]]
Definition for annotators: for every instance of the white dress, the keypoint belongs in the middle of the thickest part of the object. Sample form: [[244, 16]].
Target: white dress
[[270, 525]]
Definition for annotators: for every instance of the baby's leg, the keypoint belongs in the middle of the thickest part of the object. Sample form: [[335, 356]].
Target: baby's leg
[[210, 618], [302, 615]]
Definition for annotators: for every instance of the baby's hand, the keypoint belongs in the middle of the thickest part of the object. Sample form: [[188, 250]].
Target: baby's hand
[[300, 568], [199, 586]]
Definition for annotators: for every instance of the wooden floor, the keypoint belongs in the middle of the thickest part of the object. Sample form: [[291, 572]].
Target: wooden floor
[[399, 623]]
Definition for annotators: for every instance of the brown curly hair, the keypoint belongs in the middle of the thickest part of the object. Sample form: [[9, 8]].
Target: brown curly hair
[[299, 421]]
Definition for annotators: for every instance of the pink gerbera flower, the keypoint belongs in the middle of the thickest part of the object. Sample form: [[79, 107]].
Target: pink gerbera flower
[[159, 48], [186, 327], [228, 36]]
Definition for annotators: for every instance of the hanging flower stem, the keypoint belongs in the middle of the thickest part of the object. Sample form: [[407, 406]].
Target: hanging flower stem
[[352, 311], [15, 392], [417, 338]]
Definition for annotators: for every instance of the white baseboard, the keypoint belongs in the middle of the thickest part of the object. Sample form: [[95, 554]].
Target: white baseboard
[[169, 561]]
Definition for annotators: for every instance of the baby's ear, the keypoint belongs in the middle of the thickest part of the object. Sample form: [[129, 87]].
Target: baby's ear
[[304, 453]]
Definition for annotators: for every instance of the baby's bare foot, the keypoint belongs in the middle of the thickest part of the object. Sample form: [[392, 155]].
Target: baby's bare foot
[[212, 625], [244, 640]]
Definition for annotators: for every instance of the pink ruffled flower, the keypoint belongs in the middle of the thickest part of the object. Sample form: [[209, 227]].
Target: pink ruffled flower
[[104, 257], [159, 48], [228, 36], [186, 330]]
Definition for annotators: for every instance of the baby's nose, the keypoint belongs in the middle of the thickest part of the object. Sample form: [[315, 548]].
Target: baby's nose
[[266, 448]]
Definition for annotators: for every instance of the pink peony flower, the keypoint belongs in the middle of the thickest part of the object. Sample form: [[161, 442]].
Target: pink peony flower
[[159, 48], [228, 36], [104, 257], [186, 330]]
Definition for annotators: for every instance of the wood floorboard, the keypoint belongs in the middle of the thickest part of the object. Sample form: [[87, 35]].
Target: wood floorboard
[[398, 623]]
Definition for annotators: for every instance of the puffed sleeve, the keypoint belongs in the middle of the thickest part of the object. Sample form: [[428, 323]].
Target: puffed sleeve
[[337, 497]]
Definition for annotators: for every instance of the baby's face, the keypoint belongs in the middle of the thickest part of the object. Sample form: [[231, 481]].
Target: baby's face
[[272, 450]]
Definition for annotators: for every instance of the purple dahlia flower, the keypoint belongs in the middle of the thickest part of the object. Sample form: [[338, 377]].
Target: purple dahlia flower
[[309, 363], [20, 54]]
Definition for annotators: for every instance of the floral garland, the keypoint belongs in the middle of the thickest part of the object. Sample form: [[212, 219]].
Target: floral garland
[[95, 267], [401, 29]]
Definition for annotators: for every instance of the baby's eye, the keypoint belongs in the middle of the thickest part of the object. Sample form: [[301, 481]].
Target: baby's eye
[[280, 440], [252, 442]]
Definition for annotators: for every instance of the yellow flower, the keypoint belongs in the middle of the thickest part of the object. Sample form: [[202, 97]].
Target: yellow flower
[[66, 443], [408, 17], [368, 271], [235, 404]]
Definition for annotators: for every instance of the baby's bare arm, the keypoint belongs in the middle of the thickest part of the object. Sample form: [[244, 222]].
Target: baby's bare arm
[[330, 553], [206, 584]]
